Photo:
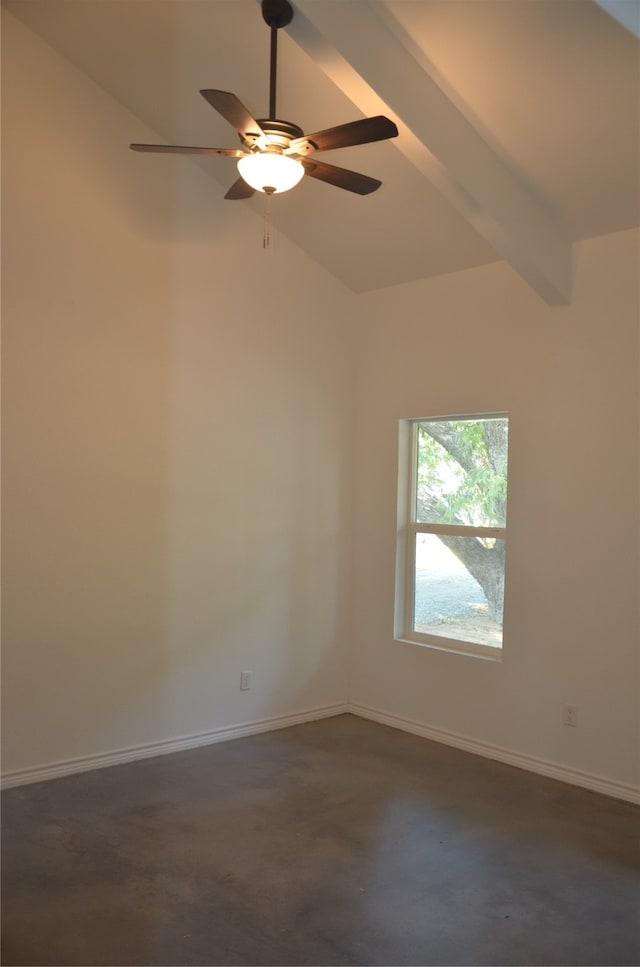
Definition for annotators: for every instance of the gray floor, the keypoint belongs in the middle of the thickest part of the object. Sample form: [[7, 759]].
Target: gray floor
[[336, 842]]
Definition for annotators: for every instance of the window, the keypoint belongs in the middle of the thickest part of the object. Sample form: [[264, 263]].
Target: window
[[452, 533]]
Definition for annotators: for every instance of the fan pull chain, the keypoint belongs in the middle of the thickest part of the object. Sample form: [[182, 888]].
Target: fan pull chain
[[266, 234], [266, 238]]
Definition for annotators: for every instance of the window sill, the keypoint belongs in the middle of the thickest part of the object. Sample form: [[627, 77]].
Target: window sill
[[454, 647]]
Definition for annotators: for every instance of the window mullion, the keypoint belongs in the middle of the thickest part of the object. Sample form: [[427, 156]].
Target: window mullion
[[462, 530]]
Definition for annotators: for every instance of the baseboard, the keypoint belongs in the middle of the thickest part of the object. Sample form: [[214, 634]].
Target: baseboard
[[552, 770], [67, 767]]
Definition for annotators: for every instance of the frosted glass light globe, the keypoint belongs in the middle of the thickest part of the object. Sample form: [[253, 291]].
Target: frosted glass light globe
[[269, 172]]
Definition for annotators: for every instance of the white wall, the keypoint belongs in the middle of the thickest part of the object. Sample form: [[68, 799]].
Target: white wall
[[175, 448], [480, 341]]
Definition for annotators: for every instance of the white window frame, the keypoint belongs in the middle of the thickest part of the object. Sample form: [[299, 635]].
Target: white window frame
[[409, 527]]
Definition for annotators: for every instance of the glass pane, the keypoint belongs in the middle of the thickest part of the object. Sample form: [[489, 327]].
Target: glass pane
[[459, 589], [462, 472]]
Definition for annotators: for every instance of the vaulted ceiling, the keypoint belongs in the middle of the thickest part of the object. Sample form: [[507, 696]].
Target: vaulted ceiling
[[519, 119]]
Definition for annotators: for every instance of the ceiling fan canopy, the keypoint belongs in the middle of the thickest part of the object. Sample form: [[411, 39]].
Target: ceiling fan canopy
[[274, 155]]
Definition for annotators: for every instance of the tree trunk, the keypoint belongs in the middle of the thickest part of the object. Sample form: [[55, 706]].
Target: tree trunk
[[485, 564]]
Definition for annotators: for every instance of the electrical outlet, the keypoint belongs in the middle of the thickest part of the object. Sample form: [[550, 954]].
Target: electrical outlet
[[570, 714], [245, 681]]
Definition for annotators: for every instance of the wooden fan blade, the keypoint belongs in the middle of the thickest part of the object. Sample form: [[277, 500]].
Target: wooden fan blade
[[344, 135], [184, 149], [340, 177], [240, 189], [234, 111]]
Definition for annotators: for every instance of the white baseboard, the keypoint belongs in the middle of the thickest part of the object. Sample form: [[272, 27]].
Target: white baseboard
[[67, 767], [543, 767], [552, 770]]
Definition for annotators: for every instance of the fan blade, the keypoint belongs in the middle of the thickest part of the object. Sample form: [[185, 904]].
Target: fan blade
[[234, 111], [345, 135], [240, 189], [183, 149], [340, 177]]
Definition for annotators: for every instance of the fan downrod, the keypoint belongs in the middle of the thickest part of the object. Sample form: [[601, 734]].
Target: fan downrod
[[277, 13]]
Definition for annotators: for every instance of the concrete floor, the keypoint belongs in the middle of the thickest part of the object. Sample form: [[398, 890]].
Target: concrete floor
[[336, 842]]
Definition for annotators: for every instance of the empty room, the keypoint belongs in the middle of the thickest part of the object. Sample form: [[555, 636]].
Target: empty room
[[320, 482]]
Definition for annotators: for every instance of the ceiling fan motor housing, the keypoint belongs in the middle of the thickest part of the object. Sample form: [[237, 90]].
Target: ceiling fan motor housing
[[280, 133]]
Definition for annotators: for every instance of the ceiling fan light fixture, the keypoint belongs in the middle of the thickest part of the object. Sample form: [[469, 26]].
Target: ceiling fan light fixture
[[273, 157], [270, 172]]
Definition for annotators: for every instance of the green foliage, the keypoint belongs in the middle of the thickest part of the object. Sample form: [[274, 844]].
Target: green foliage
[[462, 472]]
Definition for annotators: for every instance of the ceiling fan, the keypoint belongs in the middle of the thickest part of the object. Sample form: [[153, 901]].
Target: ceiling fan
[[275, 154]]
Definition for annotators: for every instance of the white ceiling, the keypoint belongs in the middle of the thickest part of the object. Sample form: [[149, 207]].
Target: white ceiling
[[519, 119]]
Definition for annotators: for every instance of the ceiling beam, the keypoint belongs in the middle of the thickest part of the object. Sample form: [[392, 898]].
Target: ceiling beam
[[626, 12], [377, 65]]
